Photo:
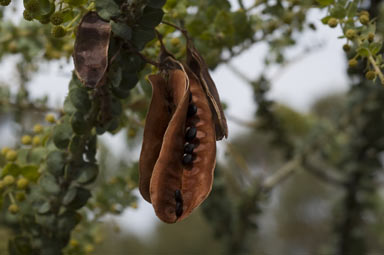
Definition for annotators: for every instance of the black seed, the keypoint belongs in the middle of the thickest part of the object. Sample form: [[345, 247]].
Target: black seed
[[179, 209], [178, 196], [192, 109], [190, 133], [188, 148], [187, 159]]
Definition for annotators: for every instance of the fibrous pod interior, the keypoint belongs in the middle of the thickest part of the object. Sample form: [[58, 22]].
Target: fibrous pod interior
[[166, 96], [91, 49], [176, 172]]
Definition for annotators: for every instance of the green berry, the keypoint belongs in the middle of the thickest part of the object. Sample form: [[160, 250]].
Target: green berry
[[364, 19], [57, 18], [350, 34], [13, 208], [332, 22], [50, 118], [346, 47], [4, 150], [5, 2], [36, 141], [73, 243], [58, 31], [89, 248], [362, 13], [22, 183], [352, 62], [26, 139], [32, 6], [11, 155], [27, 15], [370, 75], [9, 180], [371, 37], [44, 19], [38, 128]]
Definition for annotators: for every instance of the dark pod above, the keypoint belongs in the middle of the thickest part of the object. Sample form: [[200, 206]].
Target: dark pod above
[[91, 49]]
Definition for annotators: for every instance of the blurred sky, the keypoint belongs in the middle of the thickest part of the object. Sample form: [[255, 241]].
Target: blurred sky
[[299, 84]]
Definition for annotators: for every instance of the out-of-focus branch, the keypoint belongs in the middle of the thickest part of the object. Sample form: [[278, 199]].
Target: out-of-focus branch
[[281, 174], [323, 174], [29, 106]]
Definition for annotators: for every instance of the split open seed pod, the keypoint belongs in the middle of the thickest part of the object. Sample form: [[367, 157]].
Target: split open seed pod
[[179, 146]]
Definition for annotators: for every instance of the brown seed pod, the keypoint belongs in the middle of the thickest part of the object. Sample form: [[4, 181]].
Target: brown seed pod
[[91, 49], [179, 146], [198, 66]]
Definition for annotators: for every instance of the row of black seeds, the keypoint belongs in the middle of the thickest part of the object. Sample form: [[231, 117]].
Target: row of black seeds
[[179, 203], [190, 134]]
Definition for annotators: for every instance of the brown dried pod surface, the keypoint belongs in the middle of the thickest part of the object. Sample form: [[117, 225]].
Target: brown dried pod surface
[[179, 146], [91, 49], [198, 66]]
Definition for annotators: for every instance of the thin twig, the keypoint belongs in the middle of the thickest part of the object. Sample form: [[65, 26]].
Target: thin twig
[[323, 175], [281, 174], [377, 69]]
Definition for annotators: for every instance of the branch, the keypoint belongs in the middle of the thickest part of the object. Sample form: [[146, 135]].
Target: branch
[[281, 174], [377, 69], [323, 175]]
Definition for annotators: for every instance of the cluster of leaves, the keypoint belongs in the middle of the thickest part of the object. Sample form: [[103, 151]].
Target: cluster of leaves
[[359, 29]]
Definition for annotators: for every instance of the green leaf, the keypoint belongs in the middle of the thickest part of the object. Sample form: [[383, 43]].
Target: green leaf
[[129, 81], [56, 161], [87, 173], [68, 221], [151, 17], [79, 124], [142, 36], [375, 47], [31, 172], [20, 246], [49, 184], [62, 134], [68, 108], [107, 9], [80, 99], [324, 3], [68, 15], [44, 208], [76, 197], [37, 155], [325, 20], [351, 9], [338, 11], [76, 146], [75, 2], [115, 75], [10, 169], [131, 63], [156, 3], [122, 30], [364, 52]]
